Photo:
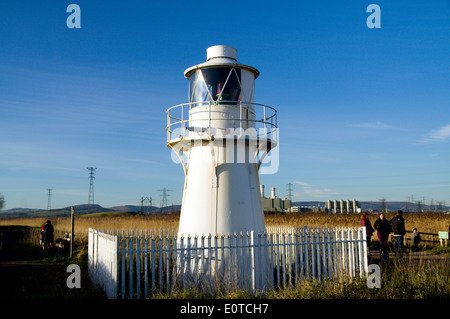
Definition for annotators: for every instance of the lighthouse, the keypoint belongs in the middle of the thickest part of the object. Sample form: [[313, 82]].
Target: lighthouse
[[221, 137]]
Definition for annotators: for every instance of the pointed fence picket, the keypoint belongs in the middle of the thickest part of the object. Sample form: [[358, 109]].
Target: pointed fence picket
[[139, 264]]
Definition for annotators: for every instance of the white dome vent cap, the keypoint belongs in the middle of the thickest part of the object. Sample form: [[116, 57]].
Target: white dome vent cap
[[221, 52]]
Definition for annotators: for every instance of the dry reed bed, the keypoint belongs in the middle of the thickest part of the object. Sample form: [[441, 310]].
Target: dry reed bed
[[426, 222], [410, 280]]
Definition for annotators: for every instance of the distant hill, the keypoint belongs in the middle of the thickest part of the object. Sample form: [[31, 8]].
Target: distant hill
[[145, 209], [82, 210], [85, 209], [18, 211], [132, 208], [60, 212]]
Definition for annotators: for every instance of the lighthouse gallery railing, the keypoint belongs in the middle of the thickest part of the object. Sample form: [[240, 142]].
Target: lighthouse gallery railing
[[179, 123]]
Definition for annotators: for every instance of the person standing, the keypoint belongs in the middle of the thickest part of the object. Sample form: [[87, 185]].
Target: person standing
[[365, 222], [41, 240], [383, 227], [416, 239], [48, 235], [398, 227]]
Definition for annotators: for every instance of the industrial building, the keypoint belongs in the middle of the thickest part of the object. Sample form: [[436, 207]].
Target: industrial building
[[274, 203], [343, 206], [307, 209]]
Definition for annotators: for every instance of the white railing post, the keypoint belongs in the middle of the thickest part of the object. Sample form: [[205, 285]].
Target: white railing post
[[253, 261], [90, 253], [146, 264], [365, 253]]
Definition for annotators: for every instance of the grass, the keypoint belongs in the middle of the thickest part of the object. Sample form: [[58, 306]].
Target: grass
[[441, 251], [407, 279], [403, 280]]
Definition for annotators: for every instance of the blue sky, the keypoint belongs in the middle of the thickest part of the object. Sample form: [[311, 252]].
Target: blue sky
[[363, 113]]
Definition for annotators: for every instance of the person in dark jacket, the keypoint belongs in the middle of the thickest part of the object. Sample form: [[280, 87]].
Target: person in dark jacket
[[398, 227], [416, 239], [48, 235], [383, 227]]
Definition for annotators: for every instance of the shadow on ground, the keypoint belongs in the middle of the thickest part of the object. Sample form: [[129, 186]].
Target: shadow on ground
[[27, 274]]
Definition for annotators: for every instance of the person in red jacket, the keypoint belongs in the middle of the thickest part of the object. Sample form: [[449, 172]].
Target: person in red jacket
[[365, 222], [41, 240]]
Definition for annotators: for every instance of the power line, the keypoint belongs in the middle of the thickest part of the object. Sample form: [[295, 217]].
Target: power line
[[150, 201], [289, 191], [91, 202], [49, 201], [164, 200]]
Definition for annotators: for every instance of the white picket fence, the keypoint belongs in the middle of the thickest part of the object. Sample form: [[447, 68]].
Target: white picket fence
[[103, 261], [139, 264]]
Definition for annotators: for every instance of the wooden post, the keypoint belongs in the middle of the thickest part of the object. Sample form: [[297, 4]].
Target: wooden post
[[72, 236]]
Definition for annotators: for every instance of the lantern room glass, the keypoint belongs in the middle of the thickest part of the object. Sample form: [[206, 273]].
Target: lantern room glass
[[215, 85]]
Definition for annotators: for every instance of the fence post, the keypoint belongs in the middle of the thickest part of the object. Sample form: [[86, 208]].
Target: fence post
[[365, 266], [94, 255], [146, 264], [277, 257], [324, 253], [271, 252], [138, 265], [253, 261], [295, 245], [300, 240], [344, 250], [351, 263], [160, 261], [167, 253], [131, 266], [318, 251], [181, 260], [306, 241], [289, 255], [90, 252], [72, 234], [313, 253], [153, 252], [263, 245], [209, 269], [330, 260], [116, 265]]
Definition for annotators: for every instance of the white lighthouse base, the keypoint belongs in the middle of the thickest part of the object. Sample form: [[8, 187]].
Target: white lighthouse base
[[220, 197]]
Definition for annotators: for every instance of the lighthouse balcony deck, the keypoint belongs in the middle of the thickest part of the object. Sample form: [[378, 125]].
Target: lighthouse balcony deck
[[207, 121]]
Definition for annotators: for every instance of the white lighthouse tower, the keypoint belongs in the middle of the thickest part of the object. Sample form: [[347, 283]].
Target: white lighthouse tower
[[221, 137]]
